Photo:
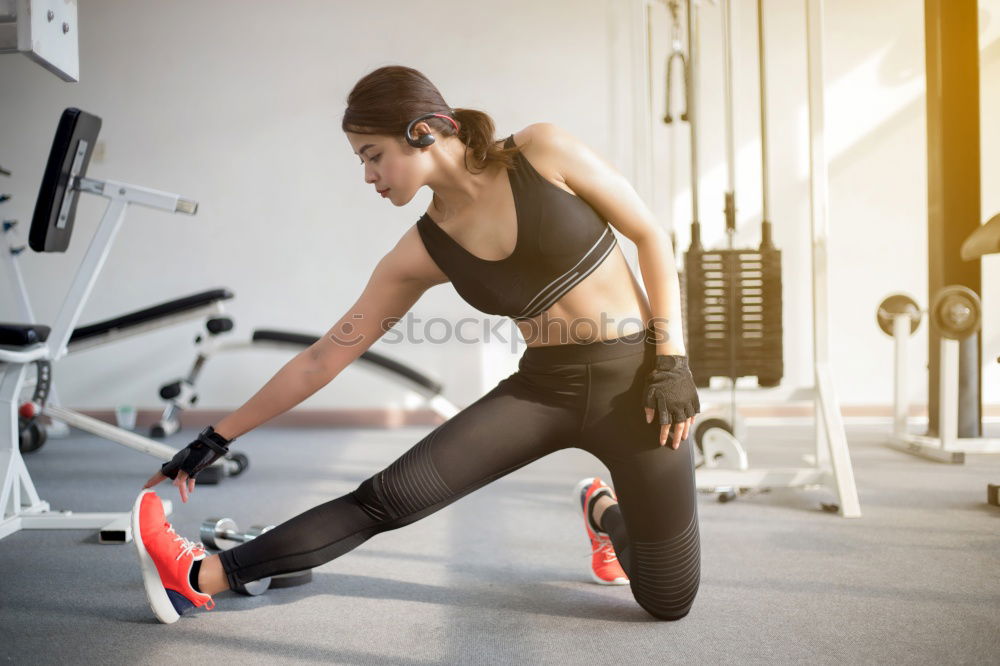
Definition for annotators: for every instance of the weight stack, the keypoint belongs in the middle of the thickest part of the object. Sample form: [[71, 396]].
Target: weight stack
[[738, 289]]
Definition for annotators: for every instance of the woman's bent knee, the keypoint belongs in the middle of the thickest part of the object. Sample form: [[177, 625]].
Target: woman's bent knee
[[671, 616], [668, 609]]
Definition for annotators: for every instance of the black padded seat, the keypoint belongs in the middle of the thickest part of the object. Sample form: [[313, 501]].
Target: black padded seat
[[23, 335], [153, 313]]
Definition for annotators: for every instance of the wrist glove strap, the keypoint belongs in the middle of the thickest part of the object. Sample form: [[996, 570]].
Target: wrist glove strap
[[208, 447], [214, 440]]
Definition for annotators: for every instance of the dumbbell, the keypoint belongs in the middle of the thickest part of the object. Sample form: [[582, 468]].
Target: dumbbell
[[216, 531]]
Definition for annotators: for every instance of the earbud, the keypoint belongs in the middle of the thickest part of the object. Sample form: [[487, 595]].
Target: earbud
[[425, 140]]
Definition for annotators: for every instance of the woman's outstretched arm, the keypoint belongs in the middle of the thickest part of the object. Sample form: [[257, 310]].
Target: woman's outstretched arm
[[396, 283]]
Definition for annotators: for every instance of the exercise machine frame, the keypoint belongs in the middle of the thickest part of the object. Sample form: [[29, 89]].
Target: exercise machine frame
[[830, 467], [949, 447], [21, 345]]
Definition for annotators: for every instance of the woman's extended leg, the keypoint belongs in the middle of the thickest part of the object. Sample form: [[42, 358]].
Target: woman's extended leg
[[211, 576], [517, 422]]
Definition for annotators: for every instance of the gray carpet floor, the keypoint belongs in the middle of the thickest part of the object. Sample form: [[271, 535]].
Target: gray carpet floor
[[500, 577]]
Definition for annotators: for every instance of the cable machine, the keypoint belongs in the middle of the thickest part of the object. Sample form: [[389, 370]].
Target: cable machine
[[726, 470]]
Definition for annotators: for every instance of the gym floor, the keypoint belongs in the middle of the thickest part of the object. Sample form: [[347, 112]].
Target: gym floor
[[501, 575]]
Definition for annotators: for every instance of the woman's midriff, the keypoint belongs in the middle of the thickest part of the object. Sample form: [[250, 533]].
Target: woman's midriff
[[608, 304]]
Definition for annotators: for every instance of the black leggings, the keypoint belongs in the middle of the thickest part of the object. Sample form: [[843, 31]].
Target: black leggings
[[572, 395]]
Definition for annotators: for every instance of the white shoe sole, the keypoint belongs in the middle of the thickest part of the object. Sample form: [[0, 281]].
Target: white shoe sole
[[577, 491], [156, 594], [616, 581]]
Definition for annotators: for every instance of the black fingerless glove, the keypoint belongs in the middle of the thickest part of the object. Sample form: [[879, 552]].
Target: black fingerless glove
[[199, 454], [670, 389]]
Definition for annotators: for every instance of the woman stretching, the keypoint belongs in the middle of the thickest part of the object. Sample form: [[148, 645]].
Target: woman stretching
[[520, 228]]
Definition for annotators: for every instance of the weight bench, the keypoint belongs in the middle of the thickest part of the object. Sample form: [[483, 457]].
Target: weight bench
[[27, 344], [208, 305], [163, 314]]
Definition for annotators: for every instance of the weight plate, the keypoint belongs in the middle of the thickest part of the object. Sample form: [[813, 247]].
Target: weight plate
[[291, 579], [895, 305], [213, 532], [702, 427], [956, 311], [31, 436], [254, 588], [242, 462]]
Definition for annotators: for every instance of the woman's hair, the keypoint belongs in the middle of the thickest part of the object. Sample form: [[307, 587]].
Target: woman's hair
[[386, 100]]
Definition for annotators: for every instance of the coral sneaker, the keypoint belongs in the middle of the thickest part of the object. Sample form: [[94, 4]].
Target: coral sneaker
[[604, 565], [166, 559]]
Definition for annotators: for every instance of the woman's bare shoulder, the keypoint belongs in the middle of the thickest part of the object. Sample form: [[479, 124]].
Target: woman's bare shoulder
[[410, 259], [539, 143]]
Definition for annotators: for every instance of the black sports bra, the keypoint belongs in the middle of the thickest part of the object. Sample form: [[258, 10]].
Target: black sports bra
[[560, 241]]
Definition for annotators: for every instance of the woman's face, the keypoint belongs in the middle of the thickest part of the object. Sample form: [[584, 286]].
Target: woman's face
[[389, 166]]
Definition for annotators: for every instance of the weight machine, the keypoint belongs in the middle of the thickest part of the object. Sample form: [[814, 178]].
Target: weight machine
[[24, 345], [726, 469]]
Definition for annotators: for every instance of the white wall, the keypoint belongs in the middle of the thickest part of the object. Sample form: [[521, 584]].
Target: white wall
[[237, 105]]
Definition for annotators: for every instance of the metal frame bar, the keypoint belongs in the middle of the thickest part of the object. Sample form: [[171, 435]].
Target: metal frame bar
[[953, 187], [21, 508], [829, 422]]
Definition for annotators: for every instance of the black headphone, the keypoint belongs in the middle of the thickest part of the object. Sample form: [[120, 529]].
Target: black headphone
[[425, 140]]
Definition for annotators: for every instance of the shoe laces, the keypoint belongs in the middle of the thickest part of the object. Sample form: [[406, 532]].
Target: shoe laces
[[187, 547], [602, 542]]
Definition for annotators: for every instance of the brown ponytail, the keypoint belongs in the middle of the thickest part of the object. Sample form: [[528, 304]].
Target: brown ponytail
[[385, 100]]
